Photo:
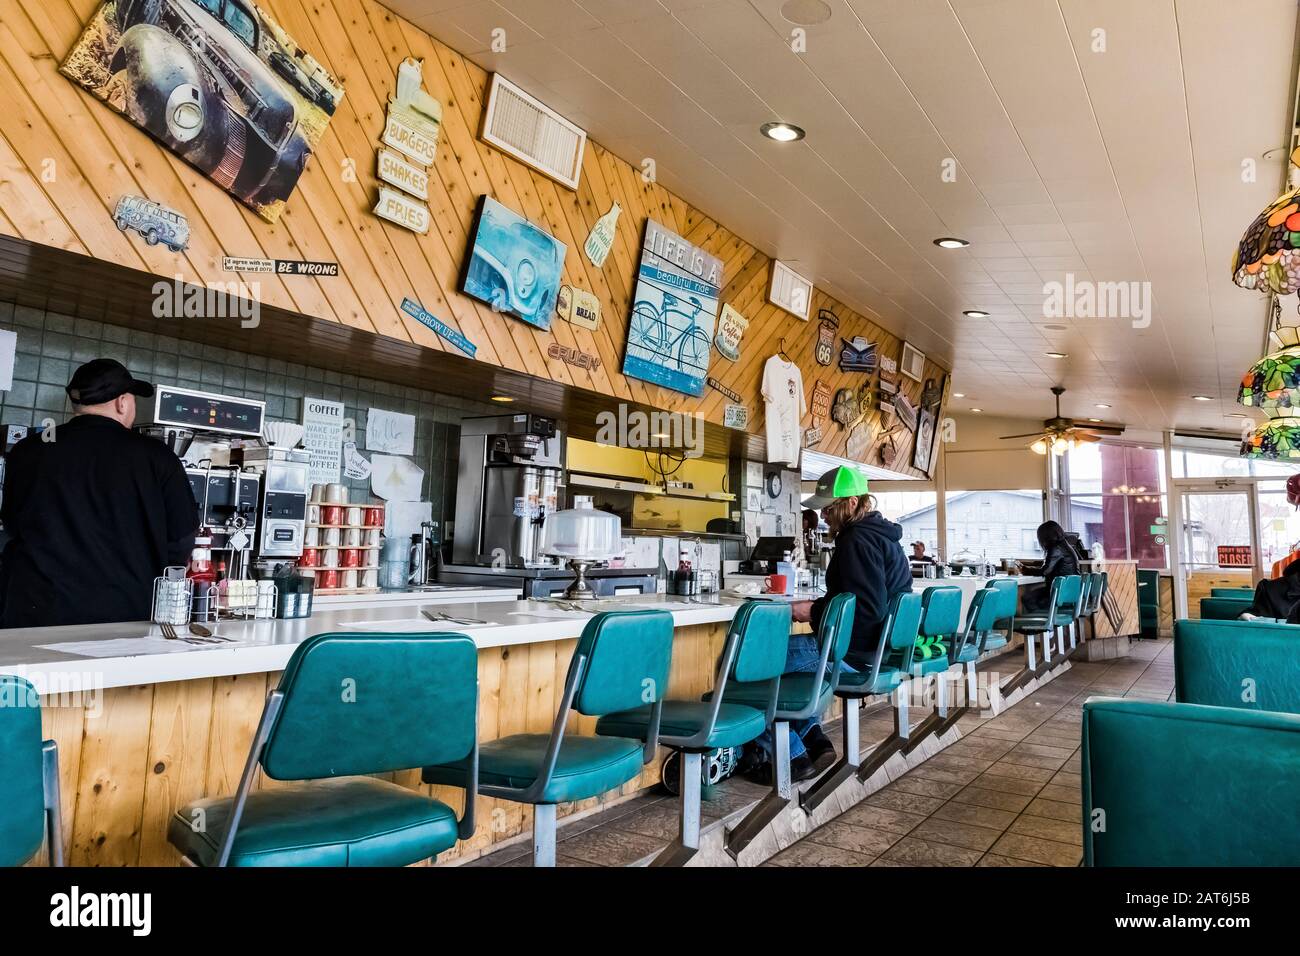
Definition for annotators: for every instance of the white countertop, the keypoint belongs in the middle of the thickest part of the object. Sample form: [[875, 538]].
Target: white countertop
[[267, 645]]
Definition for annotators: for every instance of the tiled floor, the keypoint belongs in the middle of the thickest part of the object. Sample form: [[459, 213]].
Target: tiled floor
[[1006, 794]]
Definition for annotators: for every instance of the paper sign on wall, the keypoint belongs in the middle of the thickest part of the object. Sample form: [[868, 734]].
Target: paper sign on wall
[[390, 432], [322, 423], [355, 465]]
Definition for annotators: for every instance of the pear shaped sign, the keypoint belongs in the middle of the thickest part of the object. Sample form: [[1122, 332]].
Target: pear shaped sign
[[601, 239]]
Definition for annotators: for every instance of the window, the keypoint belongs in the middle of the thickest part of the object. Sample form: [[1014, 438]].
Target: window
[[994, 524], [915, 511], [1118, 499]]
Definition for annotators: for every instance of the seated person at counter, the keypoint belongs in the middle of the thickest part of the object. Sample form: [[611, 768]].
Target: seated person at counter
[[918, 553], [869, 562], [1059, 560], [93, 511]]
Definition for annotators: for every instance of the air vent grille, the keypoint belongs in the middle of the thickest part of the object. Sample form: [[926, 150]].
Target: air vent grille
[[533, 133]]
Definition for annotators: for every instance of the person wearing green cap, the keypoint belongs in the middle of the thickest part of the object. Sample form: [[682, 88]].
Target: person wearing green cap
[[868, 562]]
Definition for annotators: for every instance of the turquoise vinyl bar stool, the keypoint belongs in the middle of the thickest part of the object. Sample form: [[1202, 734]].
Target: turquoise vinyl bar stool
[[29, 784], [621, 662], [754, 653], [940, 622], [802, 695], [348, 705], [1096, 591], [1008, 603], [967, 647], [1063, 598], [888, 671]]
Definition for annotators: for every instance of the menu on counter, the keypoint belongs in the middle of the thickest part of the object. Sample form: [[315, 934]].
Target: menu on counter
[[322, 423]]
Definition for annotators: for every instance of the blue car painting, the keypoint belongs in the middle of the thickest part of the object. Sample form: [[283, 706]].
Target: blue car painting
[[514, 266]]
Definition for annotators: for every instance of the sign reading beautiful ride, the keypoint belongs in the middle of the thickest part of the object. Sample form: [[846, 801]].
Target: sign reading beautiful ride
[[675, 308]]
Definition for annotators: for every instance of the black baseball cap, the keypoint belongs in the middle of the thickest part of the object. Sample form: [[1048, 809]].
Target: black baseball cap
[[102, 380]]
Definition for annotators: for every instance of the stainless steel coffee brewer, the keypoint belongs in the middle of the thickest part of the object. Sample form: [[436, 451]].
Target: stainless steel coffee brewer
[[509, 478]]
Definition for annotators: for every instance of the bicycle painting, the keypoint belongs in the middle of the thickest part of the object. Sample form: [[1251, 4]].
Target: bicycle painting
[[674, 311]]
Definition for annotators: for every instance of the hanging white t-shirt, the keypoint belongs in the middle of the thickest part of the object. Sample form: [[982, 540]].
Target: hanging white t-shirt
[[785, 407]]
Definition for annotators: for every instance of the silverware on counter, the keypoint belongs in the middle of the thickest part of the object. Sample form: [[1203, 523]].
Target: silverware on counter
[[198, 630], [443, 616], [169, 632]]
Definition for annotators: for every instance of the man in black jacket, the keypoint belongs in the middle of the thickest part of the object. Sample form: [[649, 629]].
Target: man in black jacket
[[93, 510], [869, 563]]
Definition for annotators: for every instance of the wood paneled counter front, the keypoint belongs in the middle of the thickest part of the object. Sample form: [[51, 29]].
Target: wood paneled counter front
[[148, 729]]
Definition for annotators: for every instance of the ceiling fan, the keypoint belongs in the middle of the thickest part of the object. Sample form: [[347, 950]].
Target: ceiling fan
[[1060, 435]]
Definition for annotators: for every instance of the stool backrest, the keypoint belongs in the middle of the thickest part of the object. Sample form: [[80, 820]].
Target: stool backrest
[[371, 703], [1169, 784], [1244, 664], [902, 625], [1100, 584], [836, 627], [22, 787], [625, 657], [1065, 598], [762, 632], [1225, 609], [941, 611], [1008, 597], [1085, 596]]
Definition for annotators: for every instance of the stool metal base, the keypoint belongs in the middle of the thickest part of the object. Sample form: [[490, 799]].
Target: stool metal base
[[687, 844], [842, 769], [770, 807], [891, 744]]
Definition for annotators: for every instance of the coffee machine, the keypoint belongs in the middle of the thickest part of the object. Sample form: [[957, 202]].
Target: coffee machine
[[509, 479], [282, 507], [200, 427]]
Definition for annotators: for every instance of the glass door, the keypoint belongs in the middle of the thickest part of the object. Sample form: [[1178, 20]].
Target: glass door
[[1220, 539]]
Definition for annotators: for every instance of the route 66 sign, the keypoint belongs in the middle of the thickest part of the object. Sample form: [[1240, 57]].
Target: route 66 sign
[[826, 338]]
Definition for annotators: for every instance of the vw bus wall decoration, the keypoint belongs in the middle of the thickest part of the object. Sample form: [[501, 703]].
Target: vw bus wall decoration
[[513, 266], [674, 310], [731, 326], [827, 328], [155, 222], [218, 83]]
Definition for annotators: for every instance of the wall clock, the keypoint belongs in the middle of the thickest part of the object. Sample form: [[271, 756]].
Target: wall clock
[[772, 481]]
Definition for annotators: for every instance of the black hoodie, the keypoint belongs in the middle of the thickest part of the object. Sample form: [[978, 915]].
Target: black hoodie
[[869, 563]]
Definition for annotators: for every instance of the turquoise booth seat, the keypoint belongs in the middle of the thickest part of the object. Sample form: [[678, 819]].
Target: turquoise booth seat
[[1241, 591], [754, 656], [621, 663], [1244, 664], [29, 778], [1172, 784], [1148, 583], [348, 705], [1224, 608]]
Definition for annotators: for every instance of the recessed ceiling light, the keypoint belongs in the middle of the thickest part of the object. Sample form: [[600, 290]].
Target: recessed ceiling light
[[502, 398], [1056, 355], [1102, 405], [976, 313], [958, 394], [1094, 419], [806, 13], [948, 242], [977, 410], [781, 132], [1203, 398]]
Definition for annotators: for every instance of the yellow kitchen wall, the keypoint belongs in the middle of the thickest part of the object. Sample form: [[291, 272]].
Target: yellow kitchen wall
[[659, 512], [66, 160]]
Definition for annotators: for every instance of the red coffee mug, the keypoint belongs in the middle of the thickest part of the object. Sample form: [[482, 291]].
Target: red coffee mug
[[308, 559], [775, 583], [351, 557], [329, 578], [331, 515], [375, 517]]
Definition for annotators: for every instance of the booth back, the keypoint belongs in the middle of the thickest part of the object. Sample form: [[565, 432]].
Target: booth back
[[1245, 664]]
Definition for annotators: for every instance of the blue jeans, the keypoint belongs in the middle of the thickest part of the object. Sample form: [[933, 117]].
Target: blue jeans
[[802, 658]]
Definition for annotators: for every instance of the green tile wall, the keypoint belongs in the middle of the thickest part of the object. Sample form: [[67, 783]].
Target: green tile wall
[[51, 346]]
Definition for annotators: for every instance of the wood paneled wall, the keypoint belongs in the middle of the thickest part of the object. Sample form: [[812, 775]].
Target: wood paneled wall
[[65, 160], [126, 765]]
